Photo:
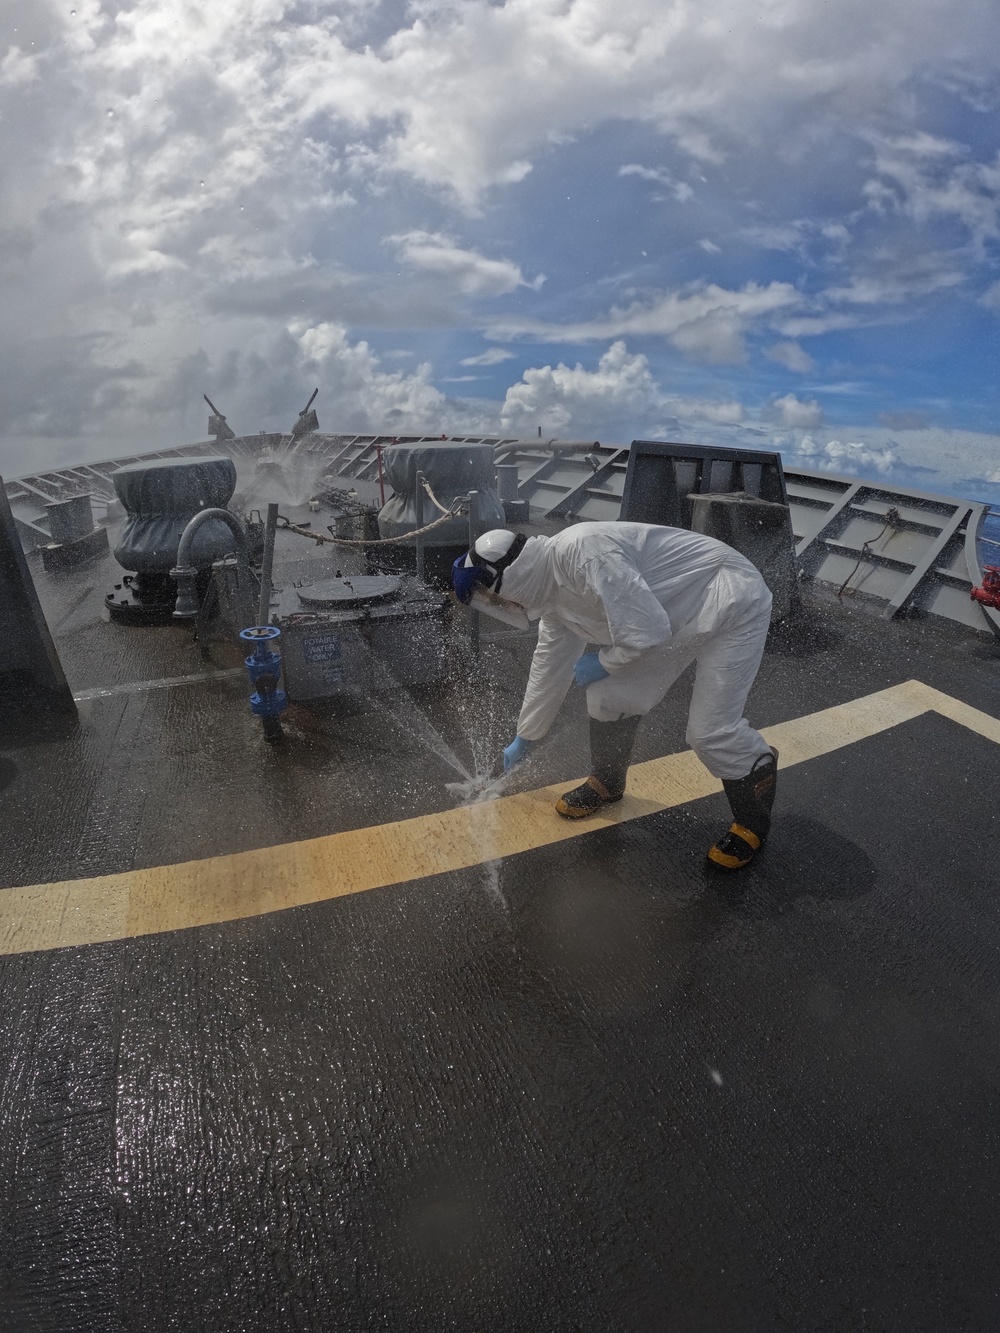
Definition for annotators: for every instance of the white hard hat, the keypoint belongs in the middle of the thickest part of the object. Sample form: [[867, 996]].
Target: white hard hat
[[485, 563], [492, 546]]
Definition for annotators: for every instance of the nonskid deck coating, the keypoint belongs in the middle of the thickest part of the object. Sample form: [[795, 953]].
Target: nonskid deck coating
[[197, 893], [580, 1087]]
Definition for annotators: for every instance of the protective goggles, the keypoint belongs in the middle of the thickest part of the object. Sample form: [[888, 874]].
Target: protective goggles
[[473, 570], [466, 577]]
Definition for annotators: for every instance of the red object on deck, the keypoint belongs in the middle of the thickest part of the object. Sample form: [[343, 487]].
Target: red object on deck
[[989, 593]]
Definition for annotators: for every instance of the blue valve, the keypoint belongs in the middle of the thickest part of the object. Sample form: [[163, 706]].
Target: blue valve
[[263, 666]]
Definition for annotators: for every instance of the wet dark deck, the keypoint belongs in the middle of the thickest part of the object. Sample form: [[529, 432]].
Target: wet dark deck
[[588, 1088]]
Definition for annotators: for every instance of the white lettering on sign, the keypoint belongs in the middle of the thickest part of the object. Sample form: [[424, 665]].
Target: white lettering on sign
[[321, 648]]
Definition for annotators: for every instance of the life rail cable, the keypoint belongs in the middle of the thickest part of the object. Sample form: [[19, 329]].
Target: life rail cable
[[868, 548]]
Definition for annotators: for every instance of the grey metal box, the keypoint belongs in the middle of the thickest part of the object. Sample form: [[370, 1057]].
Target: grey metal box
[[759, 529], [362, 649]]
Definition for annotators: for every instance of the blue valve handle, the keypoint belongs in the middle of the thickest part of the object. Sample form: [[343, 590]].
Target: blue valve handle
[[264, 669]]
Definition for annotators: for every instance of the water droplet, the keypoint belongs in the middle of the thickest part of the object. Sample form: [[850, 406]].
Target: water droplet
[[72, 13], [202, 184], [241, 208], [110, 112]]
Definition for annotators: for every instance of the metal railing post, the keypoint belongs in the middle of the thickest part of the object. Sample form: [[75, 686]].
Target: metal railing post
[[266, 565], [473, 534], [419, 541]]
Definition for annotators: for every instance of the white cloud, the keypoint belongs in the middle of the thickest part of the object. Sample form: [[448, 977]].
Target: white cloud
[[810, 239], [835, 231], [790, 355], [991, 297], [18, 68], [493, 356], [905, 419], [705, 321], [618, 400], [855, 457], [471, 93], [92, 411], [471, 273], [680, 190], [925, 178], [898, 278], [201, 176], [564, 401], [727, 412], [788, 236], [812, 326], [887, 289], [358, 390], [797, 414]]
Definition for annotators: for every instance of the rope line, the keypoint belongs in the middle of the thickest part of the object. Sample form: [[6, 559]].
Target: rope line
[[868, 547], [455, 511]]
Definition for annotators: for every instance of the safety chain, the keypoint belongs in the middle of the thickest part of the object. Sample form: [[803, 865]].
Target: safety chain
[[446, 515]]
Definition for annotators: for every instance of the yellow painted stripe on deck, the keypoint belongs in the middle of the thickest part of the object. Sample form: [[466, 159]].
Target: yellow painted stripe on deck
[[271, 879]]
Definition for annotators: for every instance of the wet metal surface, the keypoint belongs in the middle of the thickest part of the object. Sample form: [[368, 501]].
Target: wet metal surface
[[583, 1088], [353, 591]]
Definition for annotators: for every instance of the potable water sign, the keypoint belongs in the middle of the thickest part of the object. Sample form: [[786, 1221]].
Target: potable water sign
[[263, 666]]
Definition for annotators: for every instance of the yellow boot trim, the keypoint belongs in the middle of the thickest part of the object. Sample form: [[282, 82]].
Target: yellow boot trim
[[728, 862], [748, 837]]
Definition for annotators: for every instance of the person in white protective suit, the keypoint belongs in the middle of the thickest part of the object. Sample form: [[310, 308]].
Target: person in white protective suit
[[654, 599]]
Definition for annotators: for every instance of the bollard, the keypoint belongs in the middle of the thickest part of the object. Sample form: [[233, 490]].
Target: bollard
[[263, 666], [507, 481]]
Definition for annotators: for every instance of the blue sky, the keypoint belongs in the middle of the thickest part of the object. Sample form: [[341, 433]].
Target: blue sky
[[775, 224]]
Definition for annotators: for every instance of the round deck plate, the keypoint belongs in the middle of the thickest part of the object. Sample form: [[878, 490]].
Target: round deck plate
[[355, 590]]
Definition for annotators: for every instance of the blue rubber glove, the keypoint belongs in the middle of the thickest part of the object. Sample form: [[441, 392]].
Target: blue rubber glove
[[515, 752], [588, 669]]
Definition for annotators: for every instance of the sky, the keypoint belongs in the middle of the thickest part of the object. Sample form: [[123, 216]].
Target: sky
[[773, 224]]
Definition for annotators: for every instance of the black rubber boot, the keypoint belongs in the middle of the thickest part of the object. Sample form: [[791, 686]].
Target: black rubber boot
[[750, 800], [610, 751]]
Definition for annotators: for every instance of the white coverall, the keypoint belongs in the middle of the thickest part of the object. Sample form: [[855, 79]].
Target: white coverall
[[655, 599]]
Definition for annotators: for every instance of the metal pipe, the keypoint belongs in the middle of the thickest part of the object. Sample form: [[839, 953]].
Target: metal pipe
[[550, 446], [473, 534], [185, 574], [419, 510], [266, 565]]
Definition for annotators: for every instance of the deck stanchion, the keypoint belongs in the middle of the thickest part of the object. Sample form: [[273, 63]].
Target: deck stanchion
[[473, 534], [266, 565], [419, 509]]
